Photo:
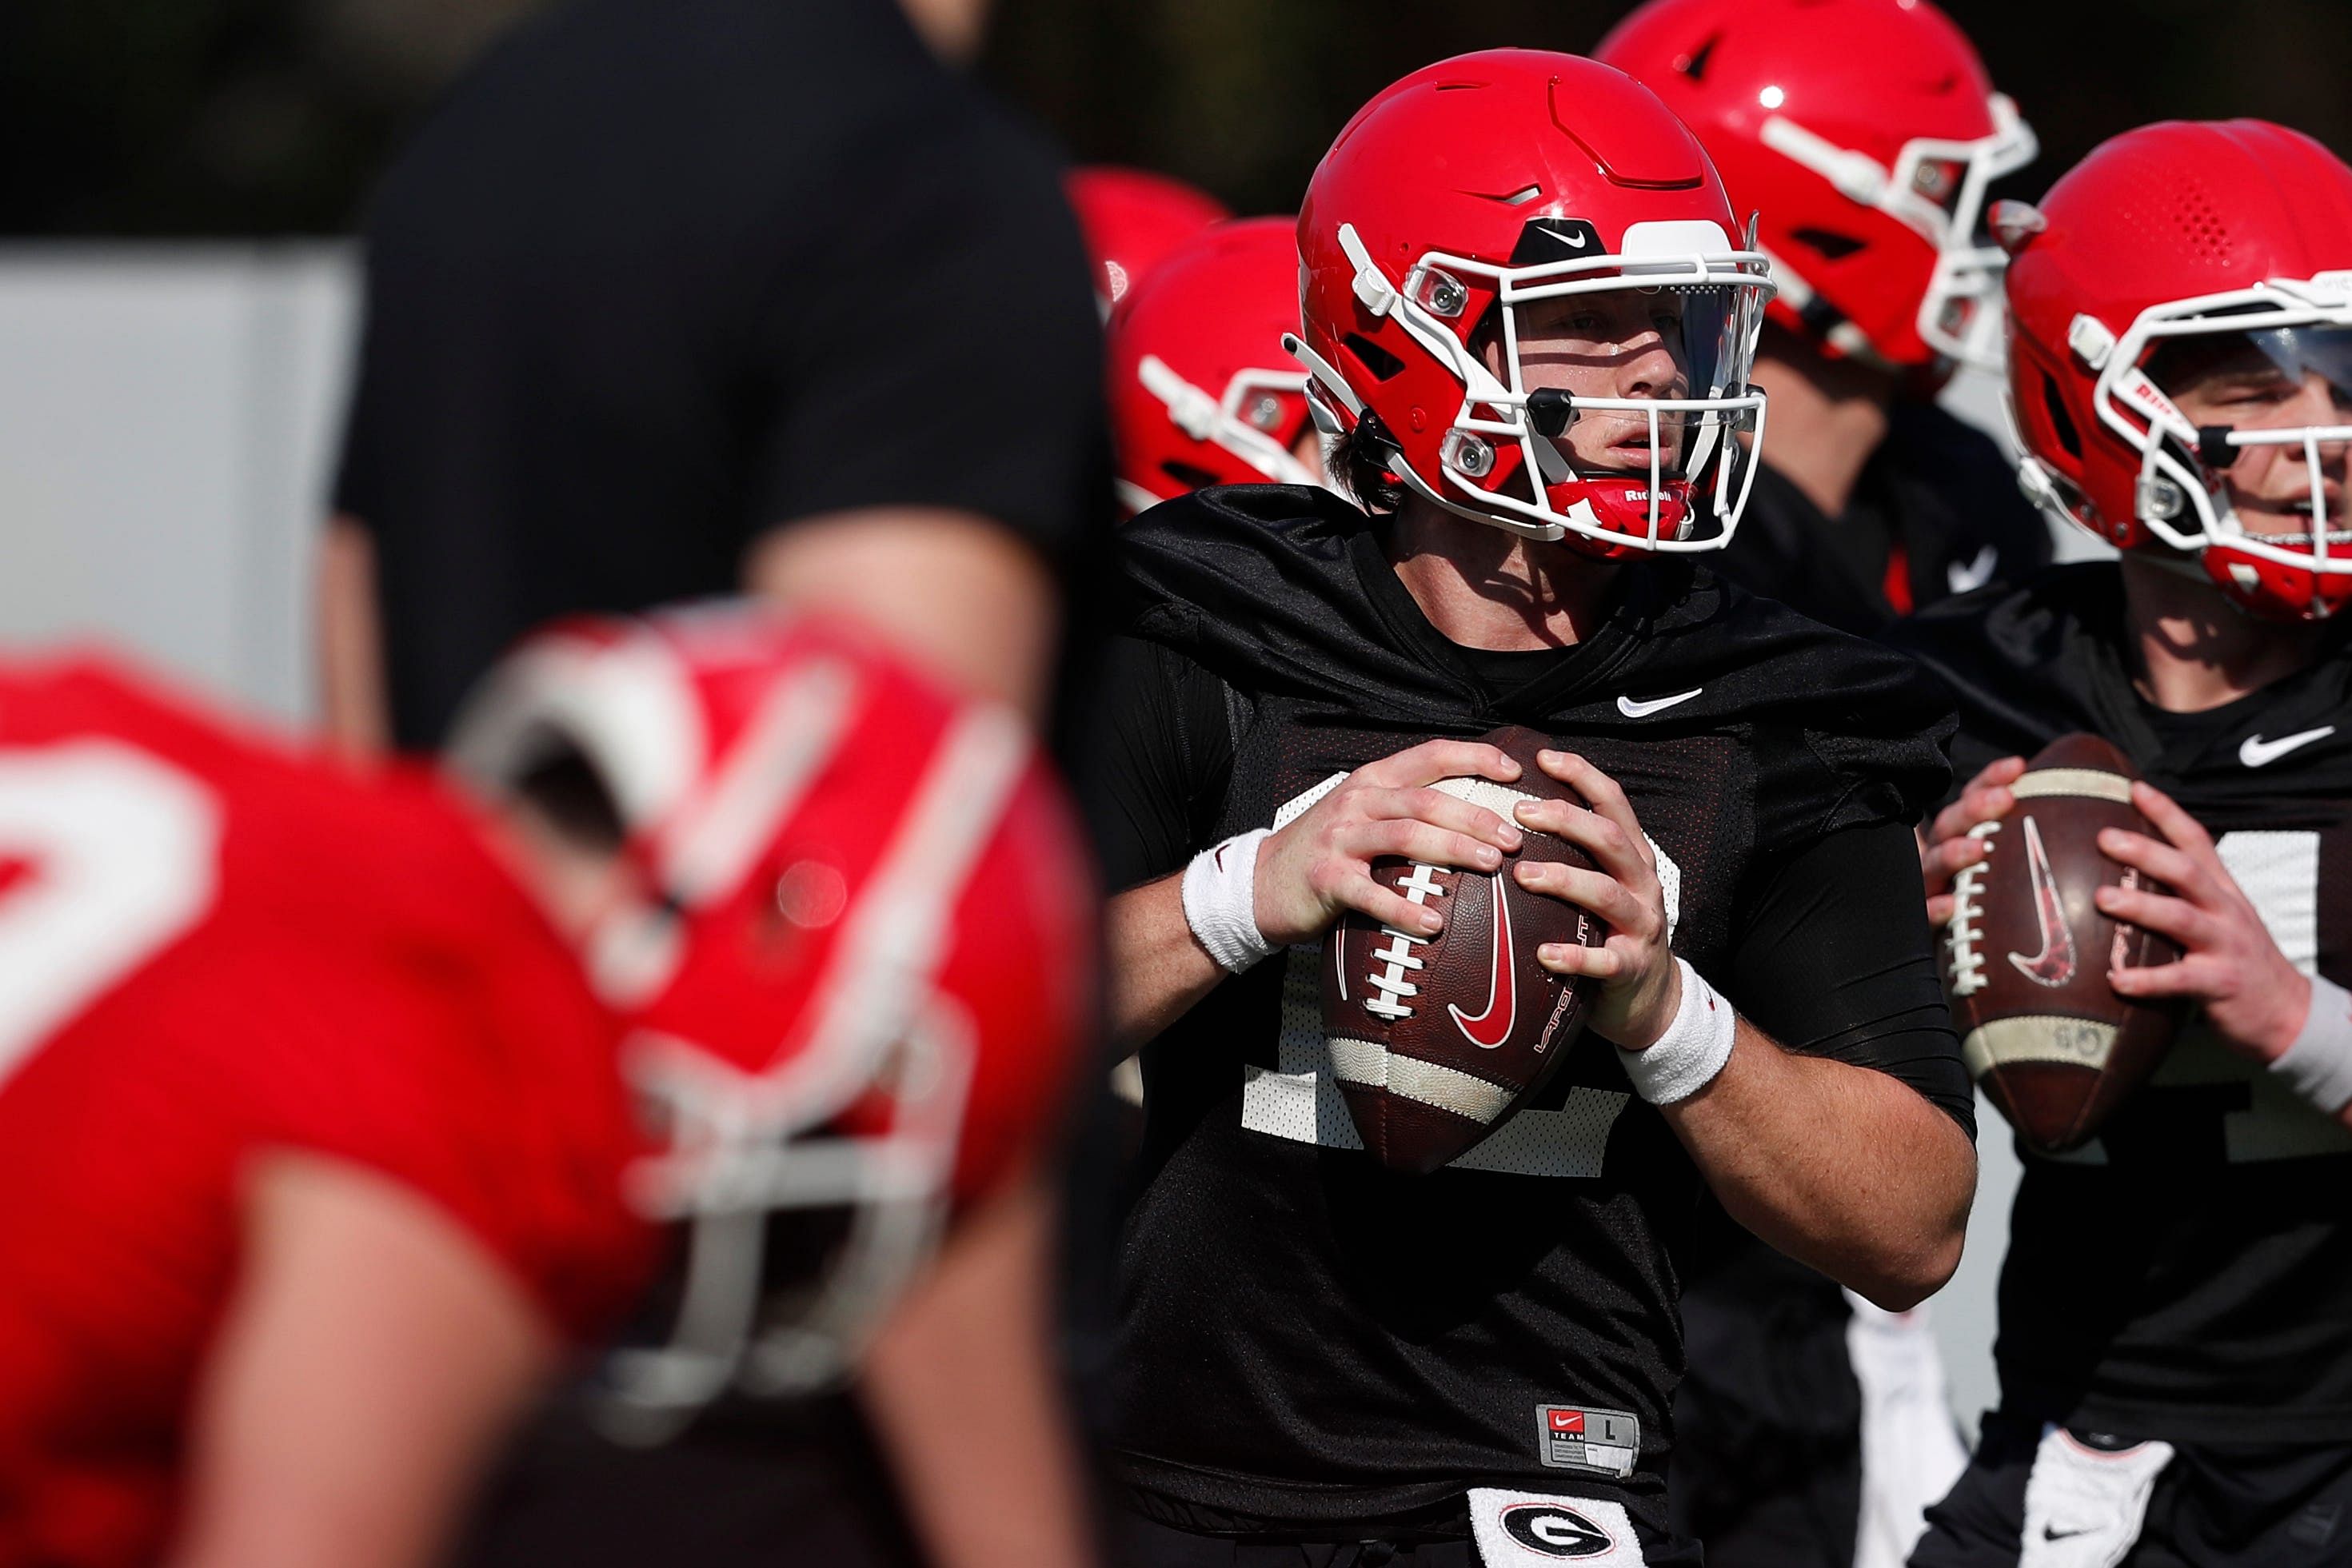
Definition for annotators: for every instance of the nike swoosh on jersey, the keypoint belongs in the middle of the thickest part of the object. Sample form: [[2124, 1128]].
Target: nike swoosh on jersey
[[2259, 753], [2055, 965], [1632, 709], [1963, 576], [1491, 1027]]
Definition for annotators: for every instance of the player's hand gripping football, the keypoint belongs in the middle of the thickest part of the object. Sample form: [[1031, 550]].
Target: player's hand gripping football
[[1321, 864], [1640, 984], [2229, 963], [1944, 847]]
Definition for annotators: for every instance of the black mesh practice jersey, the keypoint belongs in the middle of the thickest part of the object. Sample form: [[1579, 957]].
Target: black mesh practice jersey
[[2186, 1274], [1936, 509], [1305, 1338]]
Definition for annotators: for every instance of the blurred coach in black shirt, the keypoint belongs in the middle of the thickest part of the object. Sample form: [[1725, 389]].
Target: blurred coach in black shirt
[[675, 297]]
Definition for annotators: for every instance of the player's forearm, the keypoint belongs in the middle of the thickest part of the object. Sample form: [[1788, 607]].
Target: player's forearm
[[956, 592], [962, 1388], [1158, 969], [1841, 1167], [351, 693]]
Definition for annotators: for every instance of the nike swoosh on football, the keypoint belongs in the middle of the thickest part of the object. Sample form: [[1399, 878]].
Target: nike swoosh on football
[[2055, 965], [1632, 709], [2259, 753], [1492, 1027]]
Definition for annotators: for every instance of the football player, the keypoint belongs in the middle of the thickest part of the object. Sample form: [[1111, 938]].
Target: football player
[[1130, 218], [1866, 135], [1527, 320], [333, 1106], [1201, 391], [2176, 1307]]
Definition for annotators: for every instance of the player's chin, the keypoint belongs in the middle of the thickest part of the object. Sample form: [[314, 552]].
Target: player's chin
[[1632, 459]]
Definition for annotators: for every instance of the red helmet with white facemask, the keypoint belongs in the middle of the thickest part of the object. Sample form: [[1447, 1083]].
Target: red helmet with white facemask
[[1866, 134], [2173, 251], [1130, 219], [857, 986], [1201, 391], [1516, 196]]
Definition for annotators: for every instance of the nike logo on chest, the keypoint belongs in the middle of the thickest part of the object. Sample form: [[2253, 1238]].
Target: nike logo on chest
[[1632, 709], [2259, 753]]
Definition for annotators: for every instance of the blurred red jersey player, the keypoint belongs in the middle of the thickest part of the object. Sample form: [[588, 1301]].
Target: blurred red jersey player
[[1201, 390], [1130, 218], [332, 1106]]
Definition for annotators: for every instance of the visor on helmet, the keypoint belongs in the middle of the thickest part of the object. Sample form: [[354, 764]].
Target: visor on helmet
[[1603, 394], [2196, 489]]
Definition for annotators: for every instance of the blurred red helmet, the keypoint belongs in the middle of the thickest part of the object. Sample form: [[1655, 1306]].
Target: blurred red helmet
[[1201, 391], [1484, 185], [863, 978], [1865, 133], [1131, 218], [2168, 246]]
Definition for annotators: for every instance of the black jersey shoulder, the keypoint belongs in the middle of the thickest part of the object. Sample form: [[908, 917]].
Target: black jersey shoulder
[[1958, 492], [1284, 588], [2052, 656], [2025, 665]]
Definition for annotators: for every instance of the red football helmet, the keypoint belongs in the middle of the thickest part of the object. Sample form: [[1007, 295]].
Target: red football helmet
[[1130, 218], [861, 978], [1866, 132], [1487, 187], [2165, 248], [1200, 392]]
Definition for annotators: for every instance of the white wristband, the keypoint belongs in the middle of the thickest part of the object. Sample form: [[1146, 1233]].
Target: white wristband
[[1220, 901], [1685, 1059], [2318, 1065]]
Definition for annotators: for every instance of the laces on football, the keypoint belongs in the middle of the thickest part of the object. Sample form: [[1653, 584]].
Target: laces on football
[[1397, 960], [1968, 910]]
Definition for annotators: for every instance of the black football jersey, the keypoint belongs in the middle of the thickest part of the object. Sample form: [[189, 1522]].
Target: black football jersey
[[1938, 500], [1306, 1338], [2186, 1275]]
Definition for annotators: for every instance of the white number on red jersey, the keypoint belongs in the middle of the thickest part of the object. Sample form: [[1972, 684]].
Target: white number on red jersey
[[107, 854]]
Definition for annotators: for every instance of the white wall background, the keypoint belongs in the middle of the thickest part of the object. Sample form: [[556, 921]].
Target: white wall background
[[168, 417]]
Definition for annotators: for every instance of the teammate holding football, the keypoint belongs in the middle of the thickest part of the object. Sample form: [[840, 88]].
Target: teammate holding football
[[2176, 1307], [331, 1107], [1867, 135], [1525, 307], [1870, 183]]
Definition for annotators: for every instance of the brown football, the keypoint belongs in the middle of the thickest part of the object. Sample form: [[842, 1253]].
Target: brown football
[[1435, 1042], [2026, 954]]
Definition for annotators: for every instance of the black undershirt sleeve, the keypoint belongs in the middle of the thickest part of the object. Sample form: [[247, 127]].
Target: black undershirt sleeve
[[1835, 958], [1152, 759]]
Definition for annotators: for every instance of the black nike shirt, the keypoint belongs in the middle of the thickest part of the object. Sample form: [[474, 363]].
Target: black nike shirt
[[1305, 1340], [2187, 1274], [1938, 498]]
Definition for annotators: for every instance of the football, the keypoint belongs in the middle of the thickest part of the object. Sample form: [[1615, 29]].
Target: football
[[1436, 1040], [2026, 954]]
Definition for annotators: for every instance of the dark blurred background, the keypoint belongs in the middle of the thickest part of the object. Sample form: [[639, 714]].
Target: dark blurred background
[[153, 118]]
